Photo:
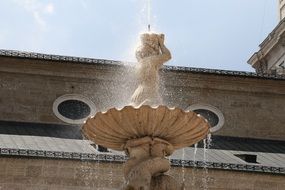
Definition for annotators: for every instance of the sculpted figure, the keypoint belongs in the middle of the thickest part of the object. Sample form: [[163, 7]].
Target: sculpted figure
[[147, 164], [151, 55]]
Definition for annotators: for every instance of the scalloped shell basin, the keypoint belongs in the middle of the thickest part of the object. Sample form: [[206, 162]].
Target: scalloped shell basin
[[112, 129]]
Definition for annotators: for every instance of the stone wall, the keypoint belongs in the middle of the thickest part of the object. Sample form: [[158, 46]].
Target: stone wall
[[253, 107], [47, 174], [29, 87]]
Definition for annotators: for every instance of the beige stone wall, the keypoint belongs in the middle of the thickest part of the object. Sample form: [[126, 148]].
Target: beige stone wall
[[43, 174], [30, 87], [252, 107]]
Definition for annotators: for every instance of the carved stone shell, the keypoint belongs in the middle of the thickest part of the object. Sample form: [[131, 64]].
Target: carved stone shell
[[112, 129]]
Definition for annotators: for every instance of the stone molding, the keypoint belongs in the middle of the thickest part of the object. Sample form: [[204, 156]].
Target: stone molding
[[48, 57], [274, 39], [103, 62], [122, 158]]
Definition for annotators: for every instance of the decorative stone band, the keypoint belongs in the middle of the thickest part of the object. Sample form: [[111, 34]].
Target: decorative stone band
[[61, 155], [48, 57], [81, 60], [226, 72], [121, 159]]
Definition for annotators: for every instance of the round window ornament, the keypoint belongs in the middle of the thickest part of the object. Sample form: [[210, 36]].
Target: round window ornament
[[73, 108], [213, 115]]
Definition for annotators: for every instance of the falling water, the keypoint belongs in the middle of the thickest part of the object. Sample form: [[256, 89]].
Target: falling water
[[110, 159], [195, 152], [97, 169], [205, 173], [111, 176], [148, 14], [183, 165], [207, 144], [205, 151], [85, 172], [209, 140], [194, 165]]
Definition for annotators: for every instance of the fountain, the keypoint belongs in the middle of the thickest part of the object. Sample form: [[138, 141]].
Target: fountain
[[147, 130]]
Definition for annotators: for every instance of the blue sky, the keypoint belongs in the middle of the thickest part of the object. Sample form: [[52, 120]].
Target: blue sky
[[218, 34]]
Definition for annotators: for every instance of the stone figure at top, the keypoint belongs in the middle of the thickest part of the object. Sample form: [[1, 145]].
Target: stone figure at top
[[151, 55]]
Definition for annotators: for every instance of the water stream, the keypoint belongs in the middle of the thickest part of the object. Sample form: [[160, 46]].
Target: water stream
[[97, 169], [110, 168], [205, 169], [194, 165], [183, 165], [195, 152], [205, 178], [149, 14]]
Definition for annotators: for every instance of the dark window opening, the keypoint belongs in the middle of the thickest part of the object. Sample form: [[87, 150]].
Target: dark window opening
[[212, 118], [74, 109], [250, 158], [100, 148]]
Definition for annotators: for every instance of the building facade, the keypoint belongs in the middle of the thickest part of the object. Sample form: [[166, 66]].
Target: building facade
[[270, 59], [45, 99]]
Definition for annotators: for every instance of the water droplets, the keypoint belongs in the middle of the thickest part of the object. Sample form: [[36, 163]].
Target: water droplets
[[183, 165], [206, 145], [202, 161]]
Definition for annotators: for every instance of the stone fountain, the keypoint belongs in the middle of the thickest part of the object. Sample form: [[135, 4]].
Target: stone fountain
[[146, 130]]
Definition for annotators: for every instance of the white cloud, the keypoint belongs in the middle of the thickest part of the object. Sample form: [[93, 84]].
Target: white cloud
[[37, 9], [49, 8]]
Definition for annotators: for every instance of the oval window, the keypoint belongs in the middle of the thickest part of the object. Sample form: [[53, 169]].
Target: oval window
[[212, 118], [213, 115], [73, 108]]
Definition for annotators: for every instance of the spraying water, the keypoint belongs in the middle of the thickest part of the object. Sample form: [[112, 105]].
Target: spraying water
[[204, 151], [97, 169], [209, 140], [207, 144], [195, 152], [194, 164], [183, 166], [148, 14], [205, 173]]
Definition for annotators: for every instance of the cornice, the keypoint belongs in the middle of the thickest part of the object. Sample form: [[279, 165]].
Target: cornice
[[103, 62], [49, 57], [274, 36], [277, 36], [120, 159]]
